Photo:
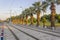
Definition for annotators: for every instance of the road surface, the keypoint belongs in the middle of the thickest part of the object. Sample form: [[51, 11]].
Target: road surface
[[13, 32]]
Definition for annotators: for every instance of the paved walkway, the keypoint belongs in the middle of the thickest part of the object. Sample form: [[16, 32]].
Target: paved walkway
[[20, 35], [23, 32], [39, 35]]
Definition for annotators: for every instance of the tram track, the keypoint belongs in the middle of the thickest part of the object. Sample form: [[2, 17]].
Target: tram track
[[40, 31], [24, 33], [13, 34]]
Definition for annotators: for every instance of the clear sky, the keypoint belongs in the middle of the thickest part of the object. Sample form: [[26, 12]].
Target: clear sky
[[15, 6]]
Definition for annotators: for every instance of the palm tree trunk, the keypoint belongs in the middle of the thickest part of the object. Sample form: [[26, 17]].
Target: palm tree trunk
[[43, 24], [43, 21], [22, 20], [53, 12], [31, 19], [26, 19], [38, 18], [17, 20]]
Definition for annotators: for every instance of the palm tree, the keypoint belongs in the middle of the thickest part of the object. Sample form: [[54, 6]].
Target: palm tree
[[44, 19], [21, 18], [26, 12], [31, 9], [16, 18], [52, 8], [38, 10], [26, 19]]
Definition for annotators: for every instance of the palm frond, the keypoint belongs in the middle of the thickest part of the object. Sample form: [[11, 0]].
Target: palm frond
[[37, 4], [44, 6]]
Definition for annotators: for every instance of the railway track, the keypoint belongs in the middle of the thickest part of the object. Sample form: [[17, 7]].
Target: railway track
[[44, 32], [13, 34], [22, 32], [41, 31], [32, 34]]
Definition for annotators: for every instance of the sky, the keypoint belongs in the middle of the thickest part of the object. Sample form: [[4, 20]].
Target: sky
[[16, 7]]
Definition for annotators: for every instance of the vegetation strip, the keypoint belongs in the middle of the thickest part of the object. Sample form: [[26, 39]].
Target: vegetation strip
[[13, 34]]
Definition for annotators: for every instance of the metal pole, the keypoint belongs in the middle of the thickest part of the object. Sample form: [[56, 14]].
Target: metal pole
[[10, 15]]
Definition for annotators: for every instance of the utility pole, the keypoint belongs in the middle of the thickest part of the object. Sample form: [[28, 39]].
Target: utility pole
[[10, 16]]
